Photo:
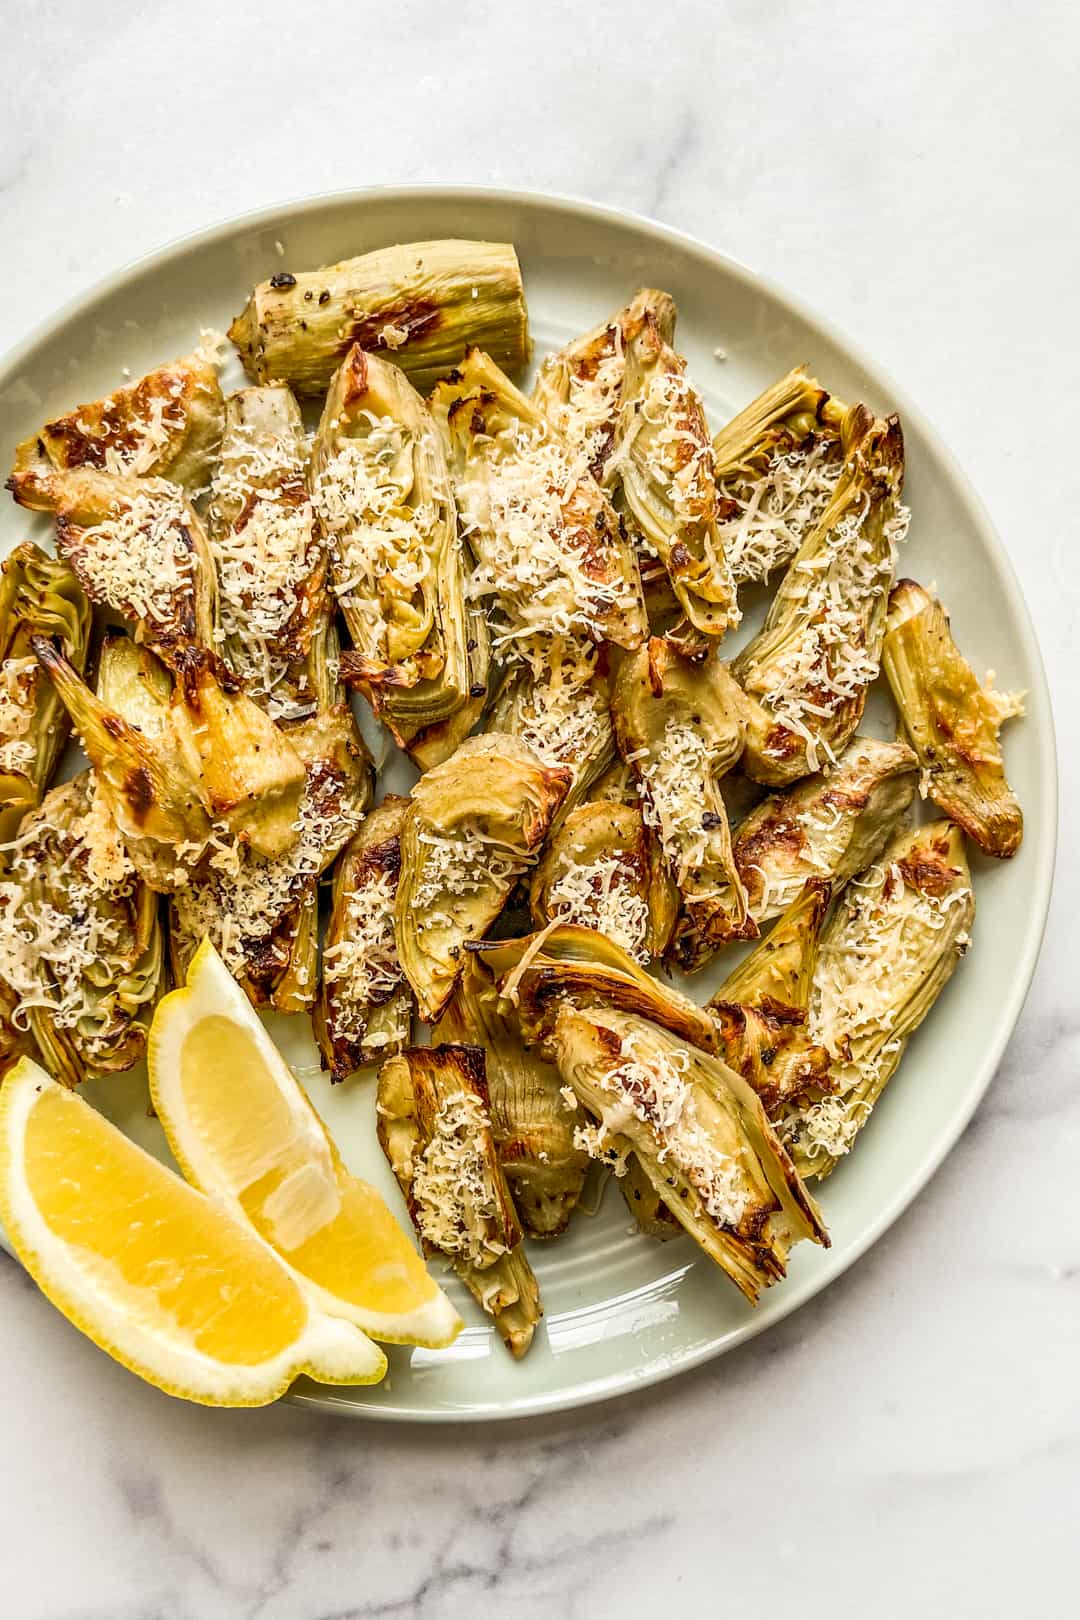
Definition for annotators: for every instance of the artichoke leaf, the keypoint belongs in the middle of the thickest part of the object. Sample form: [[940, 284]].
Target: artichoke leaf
[[807, 671], [532, 1126], [680, 723], [365, 1005], [39, 595], [567, 964], [435, 1127], [886, 955], [602, 869], [831, 825], [952, 721], [81, 944], [777, 466], [698, 1132], [418, 304], [548, 547], [474, 824], [168, 424]]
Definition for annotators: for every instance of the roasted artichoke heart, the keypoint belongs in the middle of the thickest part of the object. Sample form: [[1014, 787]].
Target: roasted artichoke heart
[[140, 772], [166, 425], [580, 387], [698, 1132], [886, 955], [80, 940], [565, 963], [603, 869], [365, 1007], [680, 723], [475, 823], [435, 1127], [777, 466], [761, 1009], [136, 547], [421, 304], [271, 570], [952, 720], [831, 825], [39, 596], [557, 700], [532, 1126], [261, 912], [667, 478], [807, 671], [549, 549], [382, 491]]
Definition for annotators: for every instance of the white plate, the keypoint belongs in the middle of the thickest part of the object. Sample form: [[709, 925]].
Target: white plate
[[621, 1311]]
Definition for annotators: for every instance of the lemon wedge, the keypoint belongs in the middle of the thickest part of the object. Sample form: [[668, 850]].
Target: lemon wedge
[[151, 1270], [242, 1129]]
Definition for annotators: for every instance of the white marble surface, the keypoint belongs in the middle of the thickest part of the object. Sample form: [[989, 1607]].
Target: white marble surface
[[910, 1442]]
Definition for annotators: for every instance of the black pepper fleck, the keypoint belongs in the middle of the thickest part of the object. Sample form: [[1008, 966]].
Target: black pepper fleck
[[710, 820], [324, 298], [283, 279]]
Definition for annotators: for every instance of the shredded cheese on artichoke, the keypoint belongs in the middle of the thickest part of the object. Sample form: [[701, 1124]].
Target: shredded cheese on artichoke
[[451, 1187], [362, 970], [139, 561], [775, 511], [604, 895]]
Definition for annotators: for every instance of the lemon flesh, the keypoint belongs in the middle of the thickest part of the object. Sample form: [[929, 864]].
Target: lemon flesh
[[154, 1272]]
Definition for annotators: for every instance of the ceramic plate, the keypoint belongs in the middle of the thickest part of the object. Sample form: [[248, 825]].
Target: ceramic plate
[[621, 1311]]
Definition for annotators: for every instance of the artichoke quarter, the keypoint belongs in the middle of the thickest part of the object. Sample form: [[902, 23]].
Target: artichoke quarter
[[382, 492], [39, 595], [565, 963], [269, 560], [602, 869], [364, 1012], [435, 1127], [261, 911], [556, 698], [831, 825], [139, 770], [680, 723], [762, 1006], [777, 466], [663, 460], [474, 824], [531, 1124], [699, 1134], [580, 387], [137, 547], [886, 955], [419, 304], [166, 425], [952, 721], [549, 549], [807, 671], [80, 942]]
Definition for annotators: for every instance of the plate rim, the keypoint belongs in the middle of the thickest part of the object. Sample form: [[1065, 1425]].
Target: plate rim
[[1045, 814]]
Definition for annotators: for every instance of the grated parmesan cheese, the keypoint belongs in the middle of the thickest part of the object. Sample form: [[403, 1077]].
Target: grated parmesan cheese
[[452, 1190], [138, 560], [833, 652], [361, 970], [606, 895], [775, 511], [530, 510]]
